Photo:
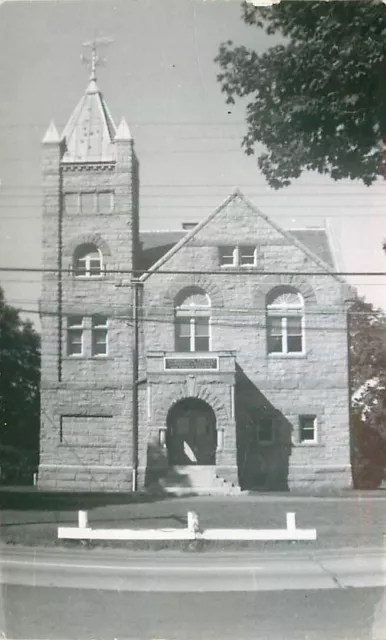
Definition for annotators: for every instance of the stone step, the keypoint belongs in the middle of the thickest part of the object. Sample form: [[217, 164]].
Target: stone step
[[201, 491], [197, 479]]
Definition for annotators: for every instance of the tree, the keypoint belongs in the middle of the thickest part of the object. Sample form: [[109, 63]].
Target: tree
[[367, 336], [317, 100], [19, 387]]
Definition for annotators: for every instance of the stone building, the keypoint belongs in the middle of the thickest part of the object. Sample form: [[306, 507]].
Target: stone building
[[212, 357]]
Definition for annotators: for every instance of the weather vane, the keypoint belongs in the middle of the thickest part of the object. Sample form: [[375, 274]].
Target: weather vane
[[95, 60]]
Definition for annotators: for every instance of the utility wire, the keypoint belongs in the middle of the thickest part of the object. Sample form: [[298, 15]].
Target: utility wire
[[224, 272]]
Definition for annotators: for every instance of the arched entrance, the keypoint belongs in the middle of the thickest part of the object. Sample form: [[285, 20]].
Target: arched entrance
[[191, 433]]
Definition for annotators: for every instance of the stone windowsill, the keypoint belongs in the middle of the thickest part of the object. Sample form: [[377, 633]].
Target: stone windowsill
[[286, 356], [319, 445], [87, 358]]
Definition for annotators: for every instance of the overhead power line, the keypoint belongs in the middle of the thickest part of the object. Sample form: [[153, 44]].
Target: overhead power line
[[223, 272]]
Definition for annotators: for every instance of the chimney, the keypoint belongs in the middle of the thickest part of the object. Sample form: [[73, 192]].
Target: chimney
[[187, 226]]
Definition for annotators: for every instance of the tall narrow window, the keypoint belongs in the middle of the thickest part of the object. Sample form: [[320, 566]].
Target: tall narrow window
[[307, 428], [285, 321], [99, 336], [192, 321], [75, 334], [88, 261]]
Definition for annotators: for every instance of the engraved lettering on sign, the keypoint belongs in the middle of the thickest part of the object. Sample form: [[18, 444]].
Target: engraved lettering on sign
[[190, 363]]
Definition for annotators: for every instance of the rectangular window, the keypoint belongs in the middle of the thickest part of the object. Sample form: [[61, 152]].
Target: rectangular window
[[307, 428], [275, 335], [71, 202], [247, 255], [105, 202], [294, 334], [285, 334], [99, 336], [183, 330], [87, 203], [75, 329], [266, 430], [201, 334], [227, 256]]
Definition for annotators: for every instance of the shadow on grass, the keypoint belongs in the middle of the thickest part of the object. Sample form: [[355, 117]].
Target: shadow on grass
[[20, 499]]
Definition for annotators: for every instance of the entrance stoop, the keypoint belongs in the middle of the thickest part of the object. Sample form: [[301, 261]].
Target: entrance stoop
[[195, 479]]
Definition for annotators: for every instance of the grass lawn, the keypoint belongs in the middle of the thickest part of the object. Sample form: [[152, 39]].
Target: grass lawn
[[32, 519]]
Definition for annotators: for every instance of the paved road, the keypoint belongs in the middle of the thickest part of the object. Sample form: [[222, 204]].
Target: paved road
[[211, 572], [102, 595], [77, 614]]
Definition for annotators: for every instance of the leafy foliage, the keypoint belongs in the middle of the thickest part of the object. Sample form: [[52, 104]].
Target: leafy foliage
[[19, 386], [318, 100], [367, 331]]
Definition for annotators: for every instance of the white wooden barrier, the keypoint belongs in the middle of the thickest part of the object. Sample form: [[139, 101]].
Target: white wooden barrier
[[192, 532]]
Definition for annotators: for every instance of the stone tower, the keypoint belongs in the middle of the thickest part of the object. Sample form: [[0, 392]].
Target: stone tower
[[90, 232]]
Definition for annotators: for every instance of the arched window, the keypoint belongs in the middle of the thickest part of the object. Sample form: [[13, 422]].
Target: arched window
[[285, 321], [88, 262], [192, 320]]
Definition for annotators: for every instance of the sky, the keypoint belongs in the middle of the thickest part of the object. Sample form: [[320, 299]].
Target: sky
[[159, 73]]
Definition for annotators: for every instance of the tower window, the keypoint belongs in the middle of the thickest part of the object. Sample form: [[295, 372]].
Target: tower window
[[99, 336], [75, 334], [88, 262]]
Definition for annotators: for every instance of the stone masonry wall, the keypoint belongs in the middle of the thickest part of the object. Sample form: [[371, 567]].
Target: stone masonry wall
[[86, 402], [314, 383]]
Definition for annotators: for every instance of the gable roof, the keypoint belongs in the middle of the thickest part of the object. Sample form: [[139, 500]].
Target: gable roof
[[159, 247]]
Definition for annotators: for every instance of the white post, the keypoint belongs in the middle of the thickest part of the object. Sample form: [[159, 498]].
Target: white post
[[193, 522], [220, 439], [162, 438], [291, 524], [82, 519], [35, 477], [133, 480]]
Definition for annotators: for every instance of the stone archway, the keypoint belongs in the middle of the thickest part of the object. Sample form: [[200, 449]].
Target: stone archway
[[191, 433]]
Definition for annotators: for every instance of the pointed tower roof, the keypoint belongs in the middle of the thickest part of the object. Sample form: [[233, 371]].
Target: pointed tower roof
[[51, 136], [123, 133], [90, 132]]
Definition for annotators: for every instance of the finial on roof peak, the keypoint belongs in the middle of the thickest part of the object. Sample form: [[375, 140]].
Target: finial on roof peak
[[51, 136], [94, 61], [123, 132]]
